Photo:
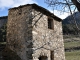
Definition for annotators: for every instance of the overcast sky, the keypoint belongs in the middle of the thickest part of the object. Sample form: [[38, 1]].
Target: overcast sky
[[6, 4]]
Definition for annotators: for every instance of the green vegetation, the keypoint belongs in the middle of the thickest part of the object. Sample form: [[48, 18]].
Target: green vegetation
[[70, 42], [3, 33], [73, 55], [70, 29], [2, 43]]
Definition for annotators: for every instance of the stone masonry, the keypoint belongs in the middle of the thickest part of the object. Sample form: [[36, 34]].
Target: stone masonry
[[34, 33]]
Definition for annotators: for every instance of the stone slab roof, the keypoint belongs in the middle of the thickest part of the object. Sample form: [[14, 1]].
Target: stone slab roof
[[41, 9]]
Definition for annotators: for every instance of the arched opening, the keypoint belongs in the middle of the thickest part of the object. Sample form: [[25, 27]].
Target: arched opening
[[43, 58]]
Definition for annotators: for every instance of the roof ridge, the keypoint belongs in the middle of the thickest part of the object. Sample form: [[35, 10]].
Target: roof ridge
[[39, 8]]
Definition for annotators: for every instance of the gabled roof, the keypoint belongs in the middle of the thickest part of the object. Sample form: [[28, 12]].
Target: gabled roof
[[41, 9]]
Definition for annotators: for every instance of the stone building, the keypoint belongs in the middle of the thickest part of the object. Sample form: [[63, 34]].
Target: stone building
[[34, 33]]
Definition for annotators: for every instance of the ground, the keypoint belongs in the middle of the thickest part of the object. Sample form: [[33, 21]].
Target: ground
[[72, 47]]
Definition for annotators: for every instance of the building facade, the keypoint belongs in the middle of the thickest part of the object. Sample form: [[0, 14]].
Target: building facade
[[34, 33]]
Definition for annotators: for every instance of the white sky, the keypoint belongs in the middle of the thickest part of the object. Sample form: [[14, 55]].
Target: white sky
[[14, 3], [60, 14]]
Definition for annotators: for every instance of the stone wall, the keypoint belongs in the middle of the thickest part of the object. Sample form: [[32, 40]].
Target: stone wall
[[19, 31], [46, 40], [28, 34]]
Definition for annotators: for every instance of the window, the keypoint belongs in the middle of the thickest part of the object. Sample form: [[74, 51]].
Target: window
[[50, 23]]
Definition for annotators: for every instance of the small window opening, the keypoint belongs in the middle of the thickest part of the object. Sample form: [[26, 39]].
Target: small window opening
[[50, 23], [43, 58]]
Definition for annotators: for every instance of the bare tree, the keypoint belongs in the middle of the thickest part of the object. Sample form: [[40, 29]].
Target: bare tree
[[62, 4], [77, 4], [69, 6]]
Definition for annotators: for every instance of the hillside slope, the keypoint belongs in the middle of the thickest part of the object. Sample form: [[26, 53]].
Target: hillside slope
[[69, 27]]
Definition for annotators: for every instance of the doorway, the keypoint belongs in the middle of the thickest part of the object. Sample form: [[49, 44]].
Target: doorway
[[52, 55], [43, 58]]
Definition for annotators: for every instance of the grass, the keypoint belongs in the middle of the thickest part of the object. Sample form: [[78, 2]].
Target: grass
[[3, 43], [71, 42], [74, 55]]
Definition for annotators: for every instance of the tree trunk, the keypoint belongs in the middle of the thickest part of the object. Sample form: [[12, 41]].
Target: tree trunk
[[77, 4]]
